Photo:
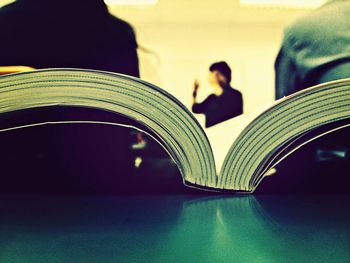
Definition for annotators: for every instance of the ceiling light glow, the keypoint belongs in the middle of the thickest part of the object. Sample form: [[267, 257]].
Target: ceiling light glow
[[284, 3]]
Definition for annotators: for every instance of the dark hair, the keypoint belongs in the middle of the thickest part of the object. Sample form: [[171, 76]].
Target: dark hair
[[223, 68]]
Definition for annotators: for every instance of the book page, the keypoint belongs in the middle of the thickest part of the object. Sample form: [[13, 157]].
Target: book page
[[276, 127], [152, 107]]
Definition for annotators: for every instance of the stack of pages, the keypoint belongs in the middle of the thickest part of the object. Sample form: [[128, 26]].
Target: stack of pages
[[260, 144]]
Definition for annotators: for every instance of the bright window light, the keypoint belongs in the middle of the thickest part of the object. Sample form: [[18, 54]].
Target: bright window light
[[131, 2], [284, 3]]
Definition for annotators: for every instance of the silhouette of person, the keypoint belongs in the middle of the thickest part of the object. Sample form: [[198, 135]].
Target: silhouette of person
[[73, 158], [225, 103], [66, 33]]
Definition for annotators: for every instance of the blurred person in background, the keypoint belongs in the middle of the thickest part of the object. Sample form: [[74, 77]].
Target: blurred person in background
[[92, 159], [66, 33], [315, 49], [225, 102]]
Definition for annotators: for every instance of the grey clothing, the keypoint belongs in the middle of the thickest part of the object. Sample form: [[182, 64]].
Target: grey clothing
[[315, 49]]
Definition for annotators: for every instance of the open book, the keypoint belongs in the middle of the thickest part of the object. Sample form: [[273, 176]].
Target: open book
[[261, 143]]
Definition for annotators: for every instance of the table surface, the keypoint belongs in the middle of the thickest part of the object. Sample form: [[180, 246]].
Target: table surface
[[175, 228]]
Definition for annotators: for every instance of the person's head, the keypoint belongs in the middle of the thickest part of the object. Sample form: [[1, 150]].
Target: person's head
[[220, 74]]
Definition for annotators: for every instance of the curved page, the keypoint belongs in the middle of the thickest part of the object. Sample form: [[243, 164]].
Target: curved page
[[278, 126], [180, 133]]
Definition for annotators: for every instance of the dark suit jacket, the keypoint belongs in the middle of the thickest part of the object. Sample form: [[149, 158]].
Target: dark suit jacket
[[66, 33], [220, 108]]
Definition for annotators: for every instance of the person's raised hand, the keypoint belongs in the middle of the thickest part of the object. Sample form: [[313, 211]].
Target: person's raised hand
[[196, 84], [195, 87]]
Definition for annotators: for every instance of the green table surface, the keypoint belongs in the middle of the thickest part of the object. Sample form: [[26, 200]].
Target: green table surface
[[175, 228]]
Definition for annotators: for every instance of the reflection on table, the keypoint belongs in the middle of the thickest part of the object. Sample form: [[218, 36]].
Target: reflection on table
[[175, 228]]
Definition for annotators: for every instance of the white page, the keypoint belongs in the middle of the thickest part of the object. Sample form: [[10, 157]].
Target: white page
[[222, 135]]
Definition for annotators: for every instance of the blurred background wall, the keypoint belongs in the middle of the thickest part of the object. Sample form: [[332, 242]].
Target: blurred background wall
[[188, 35]]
